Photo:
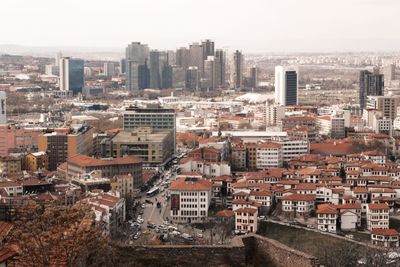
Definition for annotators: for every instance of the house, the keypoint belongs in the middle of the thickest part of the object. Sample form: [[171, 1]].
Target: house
[[327, 215], [348, 220], [246, 220], [388, 238], [208, 169], [298, 204], [377, 216]]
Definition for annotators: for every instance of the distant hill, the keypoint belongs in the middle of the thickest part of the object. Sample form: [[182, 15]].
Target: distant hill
[[89, 53]]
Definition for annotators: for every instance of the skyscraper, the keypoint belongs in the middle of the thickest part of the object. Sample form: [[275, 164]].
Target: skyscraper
[[154, 70], [192, 78], [122, 66], [237, 75], [371, 84], [109, 69], [253, 77], [178, 77], [209, 72], [137, 55], [196, 56], [389, 71], [220, 62], [3, 108], [286, 86], [182, 57], [58, 58], [71, 75], [208, 50]]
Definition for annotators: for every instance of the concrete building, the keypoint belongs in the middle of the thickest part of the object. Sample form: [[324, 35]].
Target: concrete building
[[209, 73], [124, 185], [286, 86], [253, 77], [371, 84], [386, 104], [332, 126], [220, 66], [109, 69], [71, 75], [36, 161], [269, 155], [152, 145], [208, 169], [52, 70], [178, 77], [137, 73], [10, 165], [109, 167], [61, 144], [152, 116], [183, 58], [190, 199], [192, 78], [196, 57], [16, 139], [3, 108], [238, 66]]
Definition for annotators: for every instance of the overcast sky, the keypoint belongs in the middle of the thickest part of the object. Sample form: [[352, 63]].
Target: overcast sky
[[250, 25]]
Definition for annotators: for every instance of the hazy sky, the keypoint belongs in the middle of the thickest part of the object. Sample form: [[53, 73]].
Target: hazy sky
[[250, 25]]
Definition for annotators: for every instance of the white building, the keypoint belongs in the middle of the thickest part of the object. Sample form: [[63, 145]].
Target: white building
[[208, 169], [269, 155], [298, 204], [294, 148], [327, 218], [331, 126], [385, 237], [246, 220], [377, 216], [286, 86], [190, 199]]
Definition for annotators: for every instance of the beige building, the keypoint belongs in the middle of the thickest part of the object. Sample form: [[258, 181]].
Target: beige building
[[61, 144], [37, 160], [10, 165], [124, 185], [153, 146]]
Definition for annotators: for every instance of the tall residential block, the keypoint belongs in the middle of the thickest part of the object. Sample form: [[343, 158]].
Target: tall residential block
[[237, 75], [286, 86], [71, 75], [137, 73], [371, 84]]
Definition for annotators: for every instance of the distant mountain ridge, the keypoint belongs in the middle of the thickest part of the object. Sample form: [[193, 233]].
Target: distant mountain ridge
[[88, 53]]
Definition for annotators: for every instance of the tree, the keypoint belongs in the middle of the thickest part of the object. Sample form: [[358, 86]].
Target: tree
[[58, 236]]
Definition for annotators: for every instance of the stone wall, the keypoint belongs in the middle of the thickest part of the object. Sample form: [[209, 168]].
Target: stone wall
[[183, 255], [249, 250], [262, 251]]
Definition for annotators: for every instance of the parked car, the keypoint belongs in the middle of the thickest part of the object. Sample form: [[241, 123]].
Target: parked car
[[137, 235], [261, 218]]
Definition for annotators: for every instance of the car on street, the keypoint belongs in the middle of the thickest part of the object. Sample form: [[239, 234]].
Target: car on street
[[261, 218]]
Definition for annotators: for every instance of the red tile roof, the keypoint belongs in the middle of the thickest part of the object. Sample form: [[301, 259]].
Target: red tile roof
[[182, 184], [326, 209], [380, 206], [386, 232], [298, 197], [225, 213]]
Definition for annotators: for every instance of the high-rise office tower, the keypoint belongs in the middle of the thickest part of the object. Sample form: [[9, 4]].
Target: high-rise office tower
[[286, 86], [182, 57], [196, 56], [208, 50], [209, 72], [220, 62], [109, 69], [166, 76], [3, 108], [192, 78], [237, 75], [71, 75], [371, 84], [58, 58], [171, 58], [154, 64], [389, 71], [178, 77], [137, 55], [253, 77], [122, 66]]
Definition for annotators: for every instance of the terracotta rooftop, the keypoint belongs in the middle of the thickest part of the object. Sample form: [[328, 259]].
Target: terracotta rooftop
[[387, 232], [380, 206], [183, 184]]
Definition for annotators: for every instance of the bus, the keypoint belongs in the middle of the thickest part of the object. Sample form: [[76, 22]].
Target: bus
[[152, 192]]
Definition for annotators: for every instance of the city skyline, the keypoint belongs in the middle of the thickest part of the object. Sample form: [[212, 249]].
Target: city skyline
[[261, 26]]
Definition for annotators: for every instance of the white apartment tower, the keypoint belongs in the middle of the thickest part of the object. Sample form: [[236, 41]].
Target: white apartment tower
[[286, 86]]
